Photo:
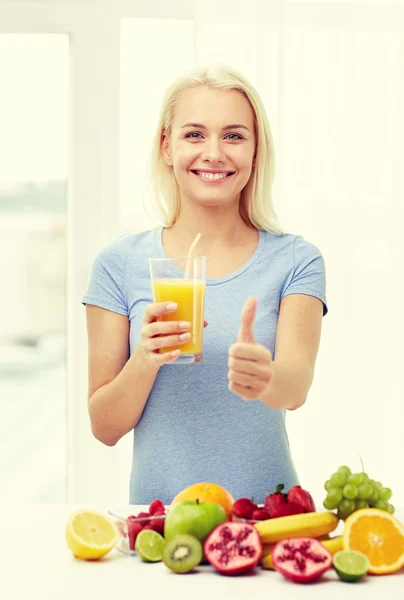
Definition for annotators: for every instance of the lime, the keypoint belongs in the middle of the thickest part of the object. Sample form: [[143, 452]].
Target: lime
[[149, 545], [350, 565]]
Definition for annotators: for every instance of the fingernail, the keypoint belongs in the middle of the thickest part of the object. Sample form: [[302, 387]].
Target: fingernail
[[171, 306], [185, 325], [185, 336]]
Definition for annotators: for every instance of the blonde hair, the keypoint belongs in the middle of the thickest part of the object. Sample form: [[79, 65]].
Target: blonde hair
[[256, 206]]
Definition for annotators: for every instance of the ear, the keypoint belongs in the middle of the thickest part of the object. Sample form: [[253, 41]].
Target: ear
[[165, 149]]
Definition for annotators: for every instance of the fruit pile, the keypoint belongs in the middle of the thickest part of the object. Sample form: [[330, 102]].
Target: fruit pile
[[285, 534], [278, 504], [348, 492]]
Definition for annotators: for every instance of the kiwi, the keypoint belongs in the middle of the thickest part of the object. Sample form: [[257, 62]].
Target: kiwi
[[182, 553]]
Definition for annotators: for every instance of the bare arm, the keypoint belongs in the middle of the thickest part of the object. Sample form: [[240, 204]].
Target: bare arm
[[284, 382], [118, 385], [296, 347]]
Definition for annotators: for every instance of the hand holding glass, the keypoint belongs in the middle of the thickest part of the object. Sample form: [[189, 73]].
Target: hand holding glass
[[182, 280]]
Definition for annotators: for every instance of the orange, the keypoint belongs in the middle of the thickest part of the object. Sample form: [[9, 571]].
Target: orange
[[207, 492], [377, 534]]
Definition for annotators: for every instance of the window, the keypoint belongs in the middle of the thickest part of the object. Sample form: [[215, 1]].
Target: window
[[33, 159]]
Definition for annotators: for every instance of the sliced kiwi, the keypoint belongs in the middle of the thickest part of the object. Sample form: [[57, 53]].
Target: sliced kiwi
[[182, 553]]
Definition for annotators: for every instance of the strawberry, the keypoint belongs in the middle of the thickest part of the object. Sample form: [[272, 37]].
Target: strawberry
[[260, 515], [274, 501], [290, 508], [303, 498], [156, 505], [243, 508]]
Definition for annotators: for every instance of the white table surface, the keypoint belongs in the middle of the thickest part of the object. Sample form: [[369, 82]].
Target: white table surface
[[35, 562]]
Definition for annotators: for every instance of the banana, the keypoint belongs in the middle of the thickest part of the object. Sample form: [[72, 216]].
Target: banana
[[333, 545], [314, 524]]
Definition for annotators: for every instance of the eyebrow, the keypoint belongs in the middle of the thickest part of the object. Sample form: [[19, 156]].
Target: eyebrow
[[226, 128]]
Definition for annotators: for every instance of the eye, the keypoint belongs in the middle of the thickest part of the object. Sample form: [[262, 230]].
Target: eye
[[236, 136], [193, 135]]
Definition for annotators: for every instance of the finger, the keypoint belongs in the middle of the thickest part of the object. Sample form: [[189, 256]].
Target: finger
[[245, 379], [164, 328], [166, 341], [244, 351], [241, 391], [250, 367], [167, 357], [154, 311], [246, 333]]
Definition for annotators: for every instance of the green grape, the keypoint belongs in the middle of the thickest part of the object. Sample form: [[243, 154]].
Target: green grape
[[365, 478], [338, 479], [346, 507], [381, 504], [334, 497], [328, 485], [328, 505], [385, 494], [350, 491], [365, 491], [361, 504], [358, 479], [390, 508], [374, 497], [376, 484], [344, 470]]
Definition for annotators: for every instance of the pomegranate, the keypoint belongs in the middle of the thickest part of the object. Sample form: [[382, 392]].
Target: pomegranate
[[233, 548], [301, 559]]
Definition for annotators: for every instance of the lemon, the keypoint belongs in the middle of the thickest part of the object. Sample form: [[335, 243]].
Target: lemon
[[90, 534]]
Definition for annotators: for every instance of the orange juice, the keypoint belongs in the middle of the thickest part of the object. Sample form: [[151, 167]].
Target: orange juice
[[189, 294]]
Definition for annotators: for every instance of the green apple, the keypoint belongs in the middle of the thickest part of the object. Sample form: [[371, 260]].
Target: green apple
[[193, 517]]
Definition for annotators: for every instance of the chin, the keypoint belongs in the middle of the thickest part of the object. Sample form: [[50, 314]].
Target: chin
[[215, 202]]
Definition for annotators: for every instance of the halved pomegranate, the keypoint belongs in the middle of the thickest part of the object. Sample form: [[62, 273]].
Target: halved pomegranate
[[233, 548], [301, 559]]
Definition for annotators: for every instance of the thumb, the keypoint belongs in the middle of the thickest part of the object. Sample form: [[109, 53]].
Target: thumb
[[246, 333]]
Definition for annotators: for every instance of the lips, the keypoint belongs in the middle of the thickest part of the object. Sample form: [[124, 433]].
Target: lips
[[212, 176]]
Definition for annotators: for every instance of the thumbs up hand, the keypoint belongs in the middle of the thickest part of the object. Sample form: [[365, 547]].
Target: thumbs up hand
[[250, 364]]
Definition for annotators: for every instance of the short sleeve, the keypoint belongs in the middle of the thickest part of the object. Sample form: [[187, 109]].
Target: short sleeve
[[105, 286], [308, 275]]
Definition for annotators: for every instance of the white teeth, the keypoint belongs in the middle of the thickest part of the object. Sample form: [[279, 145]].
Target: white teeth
[[211, 175]]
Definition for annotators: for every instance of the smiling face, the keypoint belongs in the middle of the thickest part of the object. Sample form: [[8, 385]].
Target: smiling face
[[211, 146]]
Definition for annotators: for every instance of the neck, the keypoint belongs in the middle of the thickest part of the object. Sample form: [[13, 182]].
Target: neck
[[218, 226]]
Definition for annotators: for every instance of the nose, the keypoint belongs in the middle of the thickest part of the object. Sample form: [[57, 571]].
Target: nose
[[213, 151]]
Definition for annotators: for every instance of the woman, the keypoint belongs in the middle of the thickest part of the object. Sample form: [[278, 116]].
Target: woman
[[223, 419]]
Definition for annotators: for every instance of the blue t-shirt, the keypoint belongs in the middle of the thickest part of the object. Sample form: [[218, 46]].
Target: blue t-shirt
[[193, 428]]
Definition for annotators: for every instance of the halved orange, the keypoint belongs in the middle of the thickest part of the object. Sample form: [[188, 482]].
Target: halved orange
[[378, 535], [206, 491]]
